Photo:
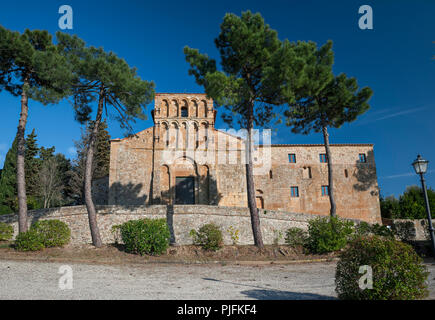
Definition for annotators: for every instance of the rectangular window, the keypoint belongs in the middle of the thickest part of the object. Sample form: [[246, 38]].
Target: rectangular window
[[362, 158], [292, 158], [325, 190], [323, 158], [294, 192]]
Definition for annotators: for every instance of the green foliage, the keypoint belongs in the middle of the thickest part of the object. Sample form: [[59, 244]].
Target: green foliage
[[258, 70], [8, 181], [116, 232], [30, 240], [328, 234], [364, 228], [234, 234], [6, 231], [389, 207], [405, 230], [103, 76], [148, 236], [53, 233], [36, 159], [31, 164], [296, 237], [398, 272], [30, 62], [209, 236], [410, 205]]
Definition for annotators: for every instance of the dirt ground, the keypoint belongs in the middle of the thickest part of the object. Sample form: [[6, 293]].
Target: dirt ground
[[115, 254]]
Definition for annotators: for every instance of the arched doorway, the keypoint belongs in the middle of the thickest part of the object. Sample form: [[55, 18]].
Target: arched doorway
[[185, 181]]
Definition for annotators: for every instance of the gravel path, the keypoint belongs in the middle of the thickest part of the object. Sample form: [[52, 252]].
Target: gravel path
[[39, 280]]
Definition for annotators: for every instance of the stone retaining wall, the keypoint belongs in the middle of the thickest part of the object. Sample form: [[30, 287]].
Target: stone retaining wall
[[407, 229], [181, 219]]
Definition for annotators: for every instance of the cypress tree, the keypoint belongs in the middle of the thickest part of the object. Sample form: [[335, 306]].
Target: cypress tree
[[8, 181], [31, 164]]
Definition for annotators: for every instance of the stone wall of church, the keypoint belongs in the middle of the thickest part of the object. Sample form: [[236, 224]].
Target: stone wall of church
[[184, 143], [181, 219]]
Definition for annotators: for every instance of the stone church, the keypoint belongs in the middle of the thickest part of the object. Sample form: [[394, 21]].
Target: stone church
[[183, 159]]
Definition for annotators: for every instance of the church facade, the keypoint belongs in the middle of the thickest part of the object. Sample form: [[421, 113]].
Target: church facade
[[183, 159]]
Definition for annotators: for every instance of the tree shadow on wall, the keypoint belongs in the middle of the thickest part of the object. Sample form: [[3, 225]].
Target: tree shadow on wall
[[169, 198], [365, 174], [127, 194], [207, 193]]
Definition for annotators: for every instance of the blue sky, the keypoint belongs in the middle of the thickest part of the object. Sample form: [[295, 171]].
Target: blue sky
[[395, 59]]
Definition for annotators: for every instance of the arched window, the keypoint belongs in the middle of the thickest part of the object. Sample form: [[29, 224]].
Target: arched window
[[184, 112]]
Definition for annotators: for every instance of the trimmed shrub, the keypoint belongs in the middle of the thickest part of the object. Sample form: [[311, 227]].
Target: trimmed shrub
[[54, 233], [328, 234], [147, 236], [397, 271], [209, 236], [296, 237], [6, 232], [29, 241]]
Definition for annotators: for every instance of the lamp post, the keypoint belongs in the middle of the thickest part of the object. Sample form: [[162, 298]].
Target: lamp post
[[420, 167]]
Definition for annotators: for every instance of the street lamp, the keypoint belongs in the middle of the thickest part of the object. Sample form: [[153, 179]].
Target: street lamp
[[420, 167]]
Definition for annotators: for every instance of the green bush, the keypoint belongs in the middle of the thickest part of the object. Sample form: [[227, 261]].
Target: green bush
[[296, 237], [365, 229], [29, 241], [397, 271], [148, 236], [54, 233], [209, 236], [327, 234], [6, 232]]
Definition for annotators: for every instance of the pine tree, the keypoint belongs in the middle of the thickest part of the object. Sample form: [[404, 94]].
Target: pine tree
[[325, 101], [258, 74], [30, 67], [108, 79]]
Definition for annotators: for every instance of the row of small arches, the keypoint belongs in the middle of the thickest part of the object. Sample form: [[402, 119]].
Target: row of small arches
[[176, 108]]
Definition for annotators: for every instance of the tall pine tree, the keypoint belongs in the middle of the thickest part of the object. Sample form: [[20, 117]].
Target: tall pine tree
[[325, 101], [103, 77], [258, 74], [30, 67]]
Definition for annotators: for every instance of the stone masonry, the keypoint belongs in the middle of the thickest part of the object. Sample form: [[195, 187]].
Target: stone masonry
[[149, 168]]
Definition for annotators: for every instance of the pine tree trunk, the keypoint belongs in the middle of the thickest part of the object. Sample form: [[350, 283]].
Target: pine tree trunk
[[255, 219], [93, 225], [21, 148], [330, 172]]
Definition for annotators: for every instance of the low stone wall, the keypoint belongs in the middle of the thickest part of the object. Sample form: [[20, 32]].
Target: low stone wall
[[181, 219], [407, 229]]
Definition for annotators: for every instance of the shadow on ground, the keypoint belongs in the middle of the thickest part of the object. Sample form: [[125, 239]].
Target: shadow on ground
[[270, 294], [261, 294]]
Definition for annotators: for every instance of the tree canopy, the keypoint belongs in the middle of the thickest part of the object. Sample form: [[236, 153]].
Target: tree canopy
[[410, 205], [258, 74]]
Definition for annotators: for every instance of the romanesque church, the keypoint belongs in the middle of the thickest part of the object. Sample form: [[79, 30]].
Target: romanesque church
[[183, 160]]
